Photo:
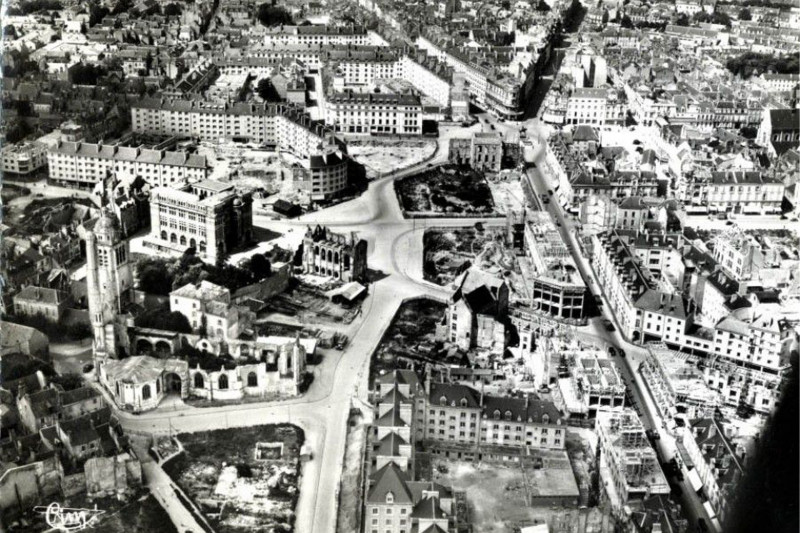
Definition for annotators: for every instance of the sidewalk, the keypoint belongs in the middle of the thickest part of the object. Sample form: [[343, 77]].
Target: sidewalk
[[163, 490]]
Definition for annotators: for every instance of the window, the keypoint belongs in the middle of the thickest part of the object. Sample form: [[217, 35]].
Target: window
[[222, 384], [146, 392]]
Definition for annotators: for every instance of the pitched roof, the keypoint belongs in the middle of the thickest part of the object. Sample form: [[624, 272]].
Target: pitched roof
[[428, 508], [453, 394], [390, 445], [389, 479]]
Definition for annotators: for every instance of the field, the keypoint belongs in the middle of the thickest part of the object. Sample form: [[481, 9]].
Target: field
[[243, 480], [446, 190]]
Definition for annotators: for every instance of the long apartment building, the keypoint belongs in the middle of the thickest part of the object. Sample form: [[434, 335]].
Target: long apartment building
[[647, 309], [364, 65], [323, 166], [746, 192], [373, 113], [80, 164], [317, 34], [489, 88]]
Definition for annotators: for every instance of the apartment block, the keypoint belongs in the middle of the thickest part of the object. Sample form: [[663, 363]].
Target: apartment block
[[83, 165]]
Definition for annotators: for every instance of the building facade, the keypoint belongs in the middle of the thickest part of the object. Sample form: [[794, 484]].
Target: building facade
[[342, 257], [83, 165], [209, 216]]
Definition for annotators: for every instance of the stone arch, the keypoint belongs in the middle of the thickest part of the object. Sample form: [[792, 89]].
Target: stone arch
[[173, 238], [336, 257], [202, 247], [222, 382], [163, 348], [316, 250], [193, 243], [199, 381], [172, 382], [330, 256], [164, 236], [144, 347], [252, 379], [346, 261], [244, 350], [146, 392], [183, 240]]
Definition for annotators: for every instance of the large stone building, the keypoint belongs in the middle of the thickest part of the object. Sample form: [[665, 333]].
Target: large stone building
[[209, 216], [373, 113], [343, 257], [482, 151], [139, 383]]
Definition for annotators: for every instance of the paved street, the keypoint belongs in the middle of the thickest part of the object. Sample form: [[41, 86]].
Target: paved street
[[395, 251], [629, 365]]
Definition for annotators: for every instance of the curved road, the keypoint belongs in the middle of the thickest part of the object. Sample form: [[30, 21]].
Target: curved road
[[395, 250]]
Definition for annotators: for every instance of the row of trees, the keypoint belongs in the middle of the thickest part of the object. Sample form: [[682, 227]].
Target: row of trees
[[753, 64], [270, 15], [162, 276], [26, 7]]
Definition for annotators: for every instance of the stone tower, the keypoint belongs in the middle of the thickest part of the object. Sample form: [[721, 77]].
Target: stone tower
[[109, 281]]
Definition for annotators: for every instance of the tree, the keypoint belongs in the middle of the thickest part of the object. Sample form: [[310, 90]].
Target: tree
[[266, 90], [159, 319], [542, 6], [682, 20], [154, 276], [270, 15], [81, 74], [745, 14], [626, 22], [17, 130], [172, 10], [260, 266], [68, 381]]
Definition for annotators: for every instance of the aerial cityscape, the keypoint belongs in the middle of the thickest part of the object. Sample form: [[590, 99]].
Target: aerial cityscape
[[400, 266]]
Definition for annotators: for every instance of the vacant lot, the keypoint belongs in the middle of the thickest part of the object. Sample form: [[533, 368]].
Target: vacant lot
[[308, 305], [238, 488], [448, 252], [446, 190], [380, 156], [498, 493], [409, 341]]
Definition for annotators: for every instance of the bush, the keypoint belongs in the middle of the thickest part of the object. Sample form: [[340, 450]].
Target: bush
[[270, 15], [159, 319]]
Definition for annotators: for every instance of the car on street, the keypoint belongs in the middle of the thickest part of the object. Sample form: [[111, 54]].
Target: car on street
[[608, 325]]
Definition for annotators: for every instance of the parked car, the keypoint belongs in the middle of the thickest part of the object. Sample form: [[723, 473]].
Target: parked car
[[608, 325]]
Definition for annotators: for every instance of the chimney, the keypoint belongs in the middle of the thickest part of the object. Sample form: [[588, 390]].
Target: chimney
[[483, 386]]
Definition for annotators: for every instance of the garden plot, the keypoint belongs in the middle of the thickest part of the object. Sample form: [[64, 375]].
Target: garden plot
[[243, 480], [380, 156], [446, 190]]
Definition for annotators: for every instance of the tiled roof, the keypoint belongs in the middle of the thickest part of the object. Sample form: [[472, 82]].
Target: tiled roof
[[389, 479]]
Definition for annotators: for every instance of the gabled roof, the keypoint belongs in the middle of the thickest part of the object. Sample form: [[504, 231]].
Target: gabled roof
[[428, 508], [389, 479], [453, 394], [390, 445], [391, 418]]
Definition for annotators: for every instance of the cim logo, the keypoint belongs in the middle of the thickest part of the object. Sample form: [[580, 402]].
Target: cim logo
[[67, 519]]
